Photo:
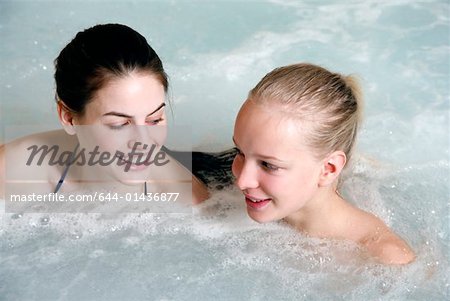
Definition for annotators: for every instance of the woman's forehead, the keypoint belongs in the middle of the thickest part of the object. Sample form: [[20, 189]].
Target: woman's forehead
[[129, 93], [270, 126]]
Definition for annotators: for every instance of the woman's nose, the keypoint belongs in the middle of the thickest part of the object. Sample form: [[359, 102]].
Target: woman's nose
[[246, 176], [137, 144], [139, 138]]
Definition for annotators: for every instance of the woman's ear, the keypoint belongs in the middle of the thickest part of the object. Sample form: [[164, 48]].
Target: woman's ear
[[332, 167], [66, 117]]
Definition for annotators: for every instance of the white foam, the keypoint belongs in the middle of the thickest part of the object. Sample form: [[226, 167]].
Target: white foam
[[230, 243]]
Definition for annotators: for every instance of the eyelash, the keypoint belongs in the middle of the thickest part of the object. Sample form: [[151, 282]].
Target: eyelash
[[156, 121], [269, 166], [118, 127], [264, 164]]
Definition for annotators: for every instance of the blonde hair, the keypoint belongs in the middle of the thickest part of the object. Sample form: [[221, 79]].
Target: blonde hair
[[329, 103]]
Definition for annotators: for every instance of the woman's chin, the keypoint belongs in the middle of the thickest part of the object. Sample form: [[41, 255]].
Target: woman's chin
[[259, 217]]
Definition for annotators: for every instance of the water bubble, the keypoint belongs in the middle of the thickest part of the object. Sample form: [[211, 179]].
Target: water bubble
[[76, 234], [16, 216], [44, 220]]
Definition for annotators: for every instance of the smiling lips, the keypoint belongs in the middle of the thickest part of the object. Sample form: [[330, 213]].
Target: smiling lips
[[257, 204]]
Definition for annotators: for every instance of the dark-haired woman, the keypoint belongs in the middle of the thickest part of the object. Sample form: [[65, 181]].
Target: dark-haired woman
[[111, 100]]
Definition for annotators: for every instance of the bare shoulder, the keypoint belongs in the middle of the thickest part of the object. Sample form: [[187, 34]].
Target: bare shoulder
[[15, 157], [199, 191], [385, 245], [18, 151], [56, 137], [176, 172]]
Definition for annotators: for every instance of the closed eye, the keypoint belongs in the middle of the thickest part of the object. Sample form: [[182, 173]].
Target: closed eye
[[118, 126], [154, 121]]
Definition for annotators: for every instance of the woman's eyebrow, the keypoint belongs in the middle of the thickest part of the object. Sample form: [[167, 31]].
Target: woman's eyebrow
[[112, 113], [117, 114], [157, 109], [263, 156]]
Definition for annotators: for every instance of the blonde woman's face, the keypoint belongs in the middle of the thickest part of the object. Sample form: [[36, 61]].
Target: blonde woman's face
[[275, 172], [128, 112]]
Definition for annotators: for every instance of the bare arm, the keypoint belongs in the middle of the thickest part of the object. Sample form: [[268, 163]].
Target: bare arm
[[199, 191], [388, 248]]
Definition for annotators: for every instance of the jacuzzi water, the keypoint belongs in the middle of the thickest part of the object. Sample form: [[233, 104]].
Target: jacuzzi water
[[214, 52]]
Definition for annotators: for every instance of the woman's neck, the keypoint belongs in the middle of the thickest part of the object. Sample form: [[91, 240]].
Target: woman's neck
[[86, 178], [321, 216]]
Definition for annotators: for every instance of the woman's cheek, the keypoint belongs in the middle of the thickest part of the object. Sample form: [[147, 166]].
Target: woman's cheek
[[236, 166]]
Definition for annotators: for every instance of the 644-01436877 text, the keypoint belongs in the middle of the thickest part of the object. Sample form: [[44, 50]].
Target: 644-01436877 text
[[140, 197]]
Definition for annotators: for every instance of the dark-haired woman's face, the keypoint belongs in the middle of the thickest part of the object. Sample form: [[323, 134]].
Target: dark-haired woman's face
[[135, 99], [128, 112]]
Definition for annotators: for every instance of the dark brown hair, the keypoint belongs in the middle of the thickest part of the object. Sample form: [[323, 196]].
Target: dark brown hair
[[97, 55]]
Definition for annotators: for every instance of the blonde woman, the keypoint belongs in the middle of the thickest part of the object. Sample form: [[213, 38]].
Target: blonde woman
[[294, 135]]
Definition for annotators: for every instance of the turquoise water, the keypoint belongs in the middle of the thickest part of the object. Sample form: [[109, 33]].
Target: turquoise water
[[214, 52]]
